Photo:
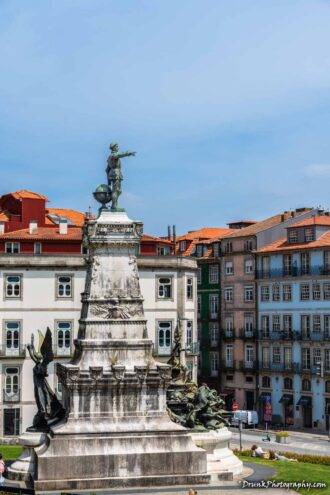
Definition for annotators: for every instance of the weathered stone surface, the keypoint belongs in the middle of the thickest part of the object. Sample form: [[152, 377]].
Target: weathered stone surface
[[117, 431]]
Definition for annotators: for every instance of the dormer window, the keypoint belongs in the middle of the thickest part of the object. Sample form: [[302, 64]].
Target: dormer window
[[293, 236], [248, 245], [12, 247], [309, 234], [199, 250], [183, 246], [228, 247]]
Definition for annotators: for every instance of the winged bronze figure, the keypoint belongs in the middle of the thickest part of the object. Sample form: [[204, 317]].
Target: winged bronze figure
[[50, 410]]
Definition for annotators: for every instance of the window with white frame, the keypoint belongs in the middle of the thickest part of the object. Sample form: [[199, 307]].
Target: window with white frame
[[316, 356], [214, 274], [64, 333], [214, 305], [316, 288], [306, 385], [64, 286], [12, 335], [13, 286], [276, 355], [265, 266], [228, 247], [248, 245], [305, 326], [306, 358], [248, 266], [287, 357], [248, 323], [248, 293], [265, 356], [164, 250], [249, 354], [276, 323], [190, 288], [287, 264], [276, 292], [304, 292], [293, 235], [11, 381], [199, 275], [183, 246], [164, 287], [229, 294], [265, 382], [287, 292], [287, 324], [265, 293], [229, 268], [214, 333], [189, 333], [164, 340], [309, 234], [265, 325], [214, 361], [317, 323], [305, 263], [326, 321], [229, 355], [37, 248], [326, 291], [287, 383], [13, 247]]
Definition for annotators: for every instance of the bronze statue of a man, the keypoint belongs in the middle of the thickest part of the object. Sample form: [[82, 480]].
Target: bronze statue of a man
[[114, 173]]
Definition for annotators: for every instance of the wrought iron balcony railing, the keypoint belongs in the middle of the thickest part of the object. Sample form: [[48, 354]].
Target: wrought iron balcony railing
[[247, 334], [248, 365], [9, 352], [193, 348], [227, 334], [11, 396], [293, 272], [228, 365]]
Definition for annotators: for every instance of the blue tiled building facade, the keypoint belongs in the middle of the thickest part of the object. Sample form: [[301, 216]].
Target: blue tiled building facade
[[293, 287]]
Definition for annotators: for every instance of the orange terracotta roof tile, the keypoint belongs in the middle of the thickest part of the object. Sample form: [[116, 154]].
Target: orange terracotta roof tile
[[282, 245], [150, 238], [204, 233], [25, 193], [3, 217], [75, 217], [319, 220], [44, 233]]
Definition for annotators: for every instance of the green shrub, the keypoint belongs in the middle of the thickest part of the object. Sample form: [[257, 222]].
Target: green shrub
[[282, 434], [312, 459]]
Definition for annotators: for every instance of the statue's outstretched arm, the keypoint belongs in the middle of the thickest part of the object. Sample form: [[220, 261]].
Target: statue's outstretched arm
[[127, 153]]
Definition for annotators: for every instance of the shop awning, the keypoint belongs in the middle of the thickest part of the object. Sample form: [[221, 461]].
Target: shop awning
[[304, 400], [265, 397], [286, 399]]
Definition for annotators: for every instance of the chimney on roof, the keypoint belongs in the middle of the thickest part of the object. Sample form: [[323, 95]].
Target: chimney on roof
[[174, 238], [33, 226], [169, 232], [63, 225], [2, 228]]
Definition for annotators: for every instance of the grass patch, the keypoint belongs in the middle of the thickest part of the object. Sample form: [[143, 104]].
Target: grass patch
[[297, 471], [10, 452]]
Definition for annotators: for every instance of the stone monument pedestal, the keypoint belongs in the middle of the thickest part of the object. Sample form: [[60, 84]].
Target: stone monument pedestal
[[117, 432], [220, 458]]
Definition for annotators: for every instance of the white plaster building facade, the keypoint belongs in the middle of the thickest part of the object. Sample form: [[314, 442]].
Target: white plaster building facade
[[37, 291]]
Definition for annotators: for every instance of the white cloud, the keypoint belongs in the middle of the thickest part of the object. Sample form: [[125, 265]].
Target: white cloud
[[317, 170]]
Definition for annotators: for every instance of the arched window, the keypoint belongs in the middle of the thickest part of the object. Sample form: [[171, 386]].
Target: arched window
[[265, 382], [306, 385], [327, 386], [288, 383]]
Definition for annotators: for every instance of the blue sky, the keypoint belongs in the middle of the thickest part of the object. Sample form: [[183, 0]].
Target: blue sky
[[226, 102]]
